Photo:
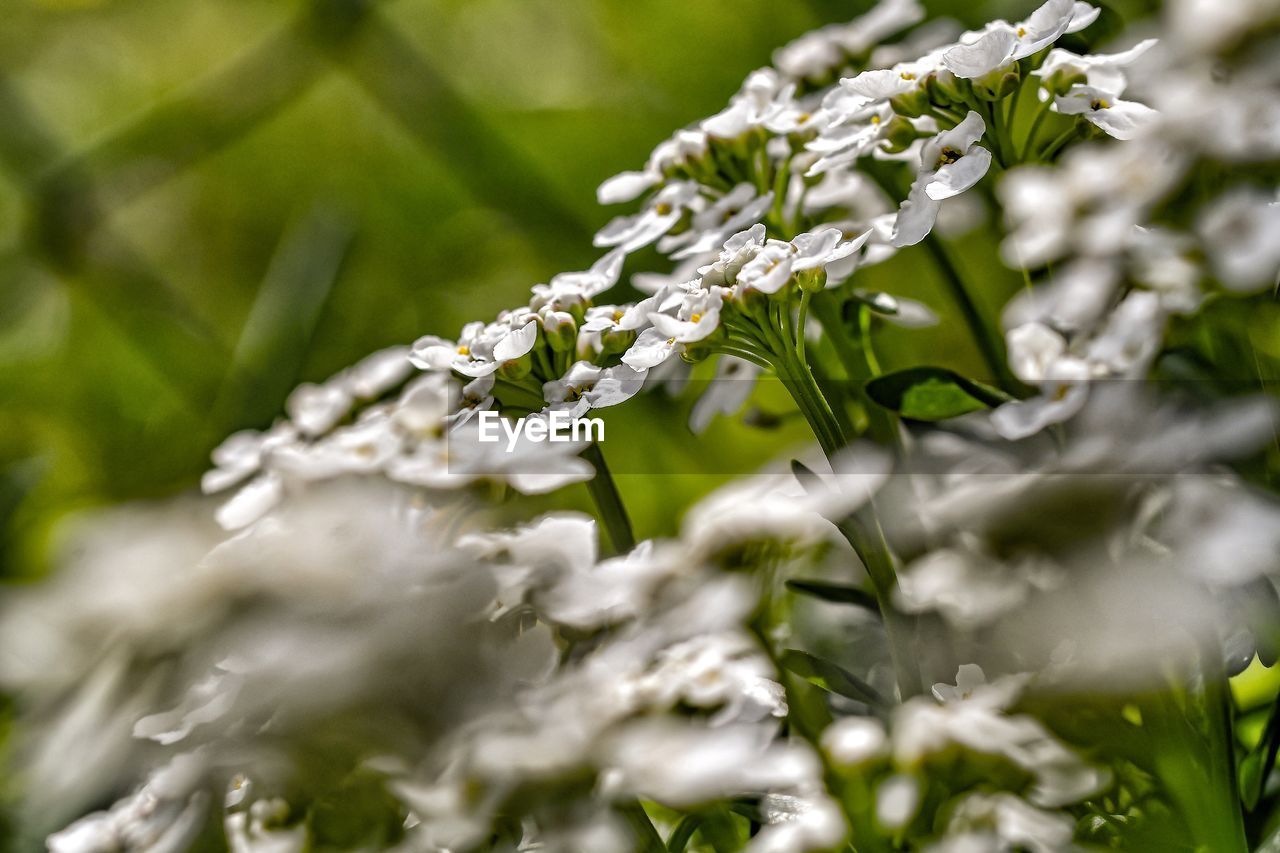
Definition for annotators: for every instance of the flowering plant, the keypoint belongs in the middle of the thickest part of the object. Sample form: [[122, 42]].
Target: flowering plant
[[1025, 606]]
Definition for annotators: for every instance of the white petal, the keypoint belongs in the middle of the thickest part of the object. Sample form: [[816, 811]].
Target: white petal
[[1045, 26], [993, 50], [1082, 15], [1124, 119], [626, 187], [650, 349], [912, 315], [517, 342], [251, 503], [954, 178], [616, 385], [916, 216], [433, 353], [960, 137], [1023, 418], [879, 84]]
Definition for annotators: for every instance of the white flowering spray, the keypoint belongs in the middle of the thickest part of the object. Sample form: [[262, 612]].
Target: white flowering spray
[[1026, 606]]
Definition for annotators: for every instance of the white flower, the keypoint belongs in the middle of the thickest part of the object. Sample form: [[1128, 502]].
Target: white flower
[[950, 163], [375, 374], [530, 467], [1000, 822], [595, 387], [854, 741], [255, 831], [1001, 43], [726, 393], [480, 349], [968, 590], [776, 507], [738, 250], [314, 409], [1101, 70], [1241, 233], [660, 215], [798, 823], [923, 728], [166, 813], [651, 349], [1116, 117], [569, 289], [696, 317], [969, 678], [738, 209], [244, 453], [684, 146], [819, 52], [763, 94], [727, 673], [682, 765], [252, 502]]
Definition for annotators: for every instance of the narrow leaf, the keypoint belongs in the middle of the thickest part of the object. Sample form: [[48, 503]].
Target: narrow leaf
[[832, 678], [835, 593]]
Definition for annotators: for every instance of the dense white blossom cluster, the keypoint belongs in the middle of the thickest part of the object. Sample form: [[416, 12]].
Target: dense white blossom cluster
[[364, 631]]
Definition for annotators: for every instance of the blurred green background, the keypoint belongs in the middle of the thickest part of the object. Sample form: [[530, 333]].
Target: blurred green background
[[205, 202]]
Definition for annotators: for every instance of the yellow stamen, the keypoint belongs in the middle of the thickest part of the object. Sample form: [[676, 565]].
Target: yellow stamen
[[695, 318], [463, 349]]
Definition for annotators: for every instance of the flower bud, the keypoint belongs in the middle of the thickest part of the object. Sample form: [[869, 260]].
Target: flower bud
[[695, 353], [813, 281], [516, 369], [1061, 81], [998, 84], [945, 88], [912, 104], [754, 303], [899, 135], [561, 329], [854, 741], [615, 341]]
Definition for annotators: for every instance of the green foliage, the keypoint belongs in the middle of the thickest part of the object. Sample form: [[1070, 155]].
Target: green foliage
[[932, 394]]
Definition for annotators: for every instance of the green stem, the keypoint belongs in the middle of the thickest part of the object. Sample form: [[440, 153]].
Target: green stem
[[864, 338], [989, 345], [647, 838], [608, 501], [995, 120], [874, 553], [1010, 115], [1034, 132], [805, 298], [683, 833], [774, 322], [881, 424], [742, 354], [1056, 145], [532, 401]]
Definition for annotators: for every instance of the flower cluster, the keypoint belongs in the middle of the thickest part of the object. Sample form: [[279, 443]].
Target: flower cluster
[[366, 651]]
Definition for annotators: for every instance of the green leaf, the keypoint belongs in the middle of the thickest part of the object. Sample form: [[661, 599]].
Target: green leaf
[[932, 394], [835, 593], [1251, 778], [832, 678], [1256, 766], [809, 481]]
